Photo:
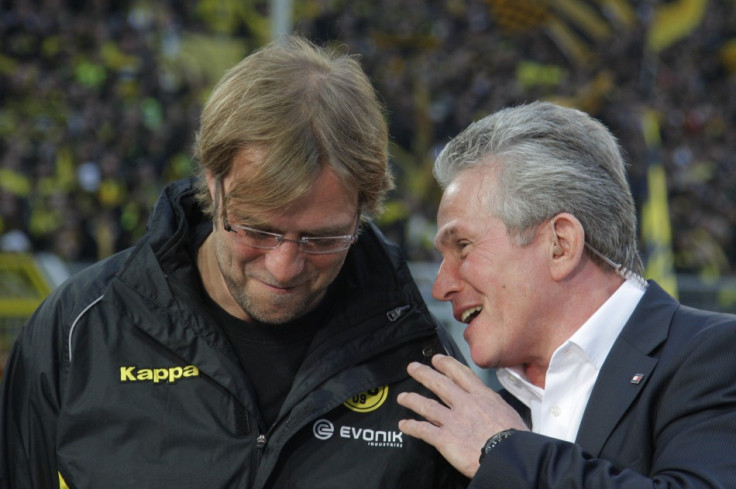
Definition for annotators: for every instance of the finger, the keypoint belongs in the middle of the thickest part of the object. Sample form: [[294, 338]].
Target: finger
[[420, 429], [429, 409], [461, 453], [460, 374], [437, 382]]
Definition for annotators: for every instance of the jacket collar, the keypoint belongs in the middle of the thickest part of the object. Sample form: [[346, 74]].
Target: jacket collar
[[160, 277], [627, 367]]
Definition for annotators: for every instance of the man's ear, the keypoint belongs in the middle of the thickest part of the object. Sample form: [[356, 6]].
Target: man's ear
[[566, 245]]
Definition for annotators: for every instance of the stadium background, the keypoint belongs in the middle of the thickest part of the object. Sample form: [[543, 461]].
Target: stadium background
[[99, 101]]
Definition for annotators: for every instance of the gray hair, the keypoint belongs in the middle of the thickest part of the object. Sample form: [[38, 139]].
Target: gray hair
[[550, 159]]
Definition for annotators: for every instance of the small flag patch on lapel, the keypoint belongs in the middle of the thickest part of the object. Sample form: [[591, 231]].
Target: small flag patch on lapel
[[637, 378]]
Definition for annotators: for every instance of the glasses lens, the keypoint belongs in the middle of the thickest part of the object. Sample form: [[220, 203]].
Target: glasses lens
[[258, 239], [269, 241], [325, 245]]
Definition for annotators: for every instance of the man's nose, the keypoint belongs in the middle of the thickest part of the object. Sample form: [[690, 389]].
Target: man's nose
[[285, 262], [446, 283]]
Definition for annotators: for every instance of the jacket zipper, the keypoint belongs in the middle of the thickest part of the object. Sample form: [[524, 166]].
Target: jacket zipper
[[261, 440], [261, 444], [394, 314]]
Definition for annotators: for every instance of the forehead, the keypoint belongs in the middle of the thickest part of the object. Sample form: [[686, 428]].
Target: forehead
[[326, 208], [258, 185], [463, 205], [465, 195], [262, 182]]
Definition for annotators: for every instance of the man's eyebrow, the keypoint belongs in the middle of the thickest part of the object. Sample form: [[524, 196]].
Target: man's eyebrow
[[343, 230], [327, 230], [444, 235]]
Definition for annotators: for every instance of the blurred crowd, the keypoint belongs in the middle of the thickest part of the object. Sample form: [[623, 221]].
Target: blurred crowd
[[91, 122], [99, 102]]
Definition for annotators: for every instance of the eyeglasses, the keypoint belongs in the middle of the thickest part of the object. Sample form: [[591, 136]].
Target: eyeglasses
[[265, 240]]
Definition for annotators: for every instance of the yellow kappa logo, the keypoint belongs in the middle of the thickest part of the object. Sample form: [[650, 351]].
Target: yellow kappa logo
[[368, 401]]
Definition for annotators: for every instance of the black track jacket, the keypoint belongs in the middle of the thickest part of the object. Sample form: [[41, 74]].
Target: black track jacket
[[122, 379]]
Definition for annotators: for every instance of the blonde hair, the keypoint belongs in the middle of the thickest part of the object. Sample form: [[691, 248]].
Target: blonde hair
[[302, 108]]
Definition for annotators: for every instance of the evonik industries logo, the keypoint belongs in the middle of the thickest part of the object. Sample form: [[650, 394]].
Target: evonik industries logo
[[323, 429], [157, 375]]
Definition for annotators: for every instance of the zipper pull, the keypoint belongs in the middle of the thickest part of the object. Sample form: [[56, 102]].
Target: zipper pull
[[261, 442], [397, 313]]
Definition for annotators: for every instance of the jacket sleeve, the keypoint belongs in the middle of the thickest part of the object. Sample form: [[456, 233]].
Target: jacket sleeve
[[688, 419], [529, 460], [29, 406]]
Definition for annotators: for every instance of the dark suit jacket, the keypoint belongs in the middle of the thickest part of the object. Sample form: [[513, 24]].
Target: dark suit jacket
[[662, 412]]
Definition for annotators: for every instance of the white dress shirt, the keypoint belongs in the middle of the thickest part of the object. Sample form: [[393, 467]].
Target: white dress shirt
[[557, 410]]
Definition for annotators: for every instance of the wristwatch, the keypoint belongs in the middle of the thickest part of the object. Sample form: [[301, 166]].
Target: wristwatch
[[492, 442]]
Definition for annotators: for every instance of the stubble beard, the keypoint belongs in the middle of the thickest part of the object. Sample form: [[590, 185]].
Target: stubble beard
[[273, 309], [267, 307]]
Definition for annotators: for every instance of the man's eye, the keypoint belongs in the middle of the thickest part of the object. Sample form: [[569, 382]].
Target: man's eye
[[257, 233], [253, 232]]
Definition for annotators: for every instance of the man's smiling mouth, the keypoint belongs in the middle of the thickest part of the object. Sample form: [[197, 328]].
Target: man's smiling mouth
[[470, 314]]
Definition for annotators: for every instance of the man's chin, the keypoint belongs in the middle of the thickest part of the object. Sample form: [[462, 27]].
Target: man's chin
[[279, 313], [481, 360], [266, 307], [271, 316]]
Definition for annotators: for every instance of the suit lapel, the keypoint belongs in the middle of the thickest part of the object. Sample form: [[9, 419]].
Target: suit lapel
[[627, 368]]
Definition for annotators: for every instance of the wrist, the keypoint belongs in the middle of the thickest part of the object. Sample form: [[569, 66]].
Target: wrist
[[493, 442]]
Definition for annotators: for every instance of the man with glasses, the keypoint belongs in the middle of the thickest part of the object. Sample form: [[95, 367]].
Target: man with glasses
[[608, 381], [258, 334]]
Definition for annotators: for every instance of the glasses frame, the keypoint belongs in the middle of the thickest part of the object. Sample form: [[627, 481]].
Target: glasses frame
[[347, 239]]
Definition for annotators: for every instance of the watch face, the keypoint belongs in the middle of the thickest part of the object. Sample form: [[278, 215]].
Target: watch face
[[492, 442]]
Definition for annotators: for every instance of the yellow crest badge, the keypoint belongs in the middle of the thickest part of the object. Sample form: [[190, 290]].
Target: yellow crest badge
[[368, 401]]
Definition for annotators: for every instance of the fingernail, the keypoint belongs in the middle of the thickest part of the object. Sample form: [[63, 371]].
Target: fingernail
[[438, 357]]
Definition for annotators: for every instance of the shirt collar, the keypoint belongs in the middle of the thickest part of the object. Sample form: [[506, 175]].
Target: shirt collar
[[594, 339], [597, 335]]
